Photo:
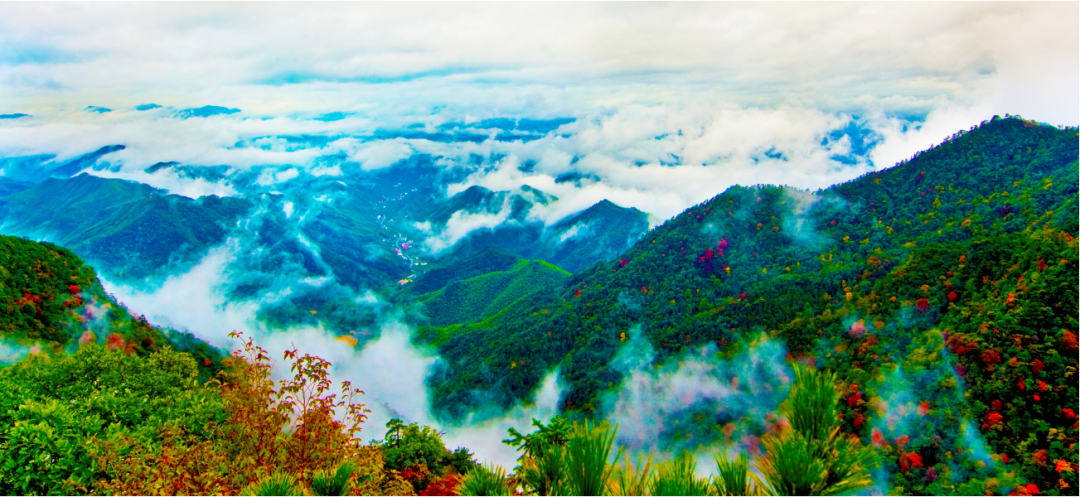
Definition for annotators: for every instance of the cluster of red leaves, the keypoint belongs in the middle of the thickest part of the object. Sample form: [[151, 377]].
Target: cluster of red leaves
[[877, 438], [449, 484], [992, 420], [1029, 489], [418, 475], [854, 399], [960, 344], [909, 460], [33, 300], [922, 305], [991, 358]]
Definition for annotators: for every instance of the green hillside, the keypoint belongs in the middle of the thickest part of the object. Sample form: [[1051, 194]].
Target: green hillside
[[960, 263], [451, 269], [474, 299], [54, 302], [122, 226]]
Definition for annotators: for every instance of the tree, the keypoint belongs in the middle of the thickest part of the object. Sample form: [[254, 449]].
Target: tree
[[813, 458]]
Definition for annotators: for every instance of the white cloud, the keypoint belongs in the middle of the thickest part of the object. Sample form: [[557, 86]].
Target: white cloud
[[389, 369], [380, 154], [460, 224], [745, 389], [270, 177], [387, 59]]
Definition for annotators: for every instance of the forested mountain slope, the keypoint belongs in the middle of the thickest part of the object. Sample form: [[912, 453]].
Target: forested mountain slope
[[125, 226], [473, 299], [51, 302], [957, 267]]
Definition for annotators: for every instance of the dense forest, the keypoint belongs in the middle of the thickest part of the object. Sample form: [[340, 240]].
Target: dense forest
[[926, 316], [954, 273]]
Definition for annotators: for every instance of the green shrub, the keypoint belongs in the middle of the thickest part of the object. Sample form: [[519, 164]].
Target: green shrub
[[733, 477], [333, 482], [676, 477], [586, 461], [486, 480], [278, 483]]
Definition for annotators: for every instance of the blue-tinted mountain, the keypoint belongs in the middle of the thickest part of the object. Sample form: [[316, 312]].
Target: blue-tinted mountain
[[77, 165], [35, 168], [120, 226], [206, 111], [9, 186]]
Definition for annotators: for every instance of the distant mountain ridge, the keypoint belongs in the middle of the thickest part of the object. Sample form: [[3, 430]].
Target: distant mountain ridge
[[355, 232], [124, 226]]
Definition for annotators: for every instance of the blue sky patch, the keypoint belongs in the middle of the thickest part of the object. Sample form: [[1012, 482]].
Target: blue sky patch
[[206, 111], [331, 116]]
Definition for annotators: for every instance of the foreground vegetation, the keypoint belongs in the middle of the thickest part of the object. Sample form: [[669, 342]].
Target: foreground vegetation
[[101, 421]]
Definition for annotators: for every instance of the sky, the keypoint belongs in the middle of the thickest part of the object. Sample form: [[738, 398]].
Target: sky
[[673, 102]]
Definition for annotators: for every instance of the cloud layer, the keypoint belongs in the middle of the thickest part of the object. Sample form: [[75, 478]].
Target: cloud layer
[[399, 60], [388, 368], [673, 102]]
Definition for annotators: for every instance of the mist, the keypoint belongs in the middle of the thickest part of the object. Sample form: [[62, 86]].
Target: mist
[[388, 368]]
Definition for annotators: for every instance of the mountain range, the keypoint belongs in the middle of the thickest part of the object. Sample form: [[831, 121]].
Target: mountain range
[[942, 291]]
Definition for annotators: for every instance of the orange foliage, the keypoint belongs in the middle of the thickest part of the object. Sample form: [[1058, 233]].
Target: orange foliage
[[1068, 340], [447, 485], [1040, 457], [114, 341], [268, 427]]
